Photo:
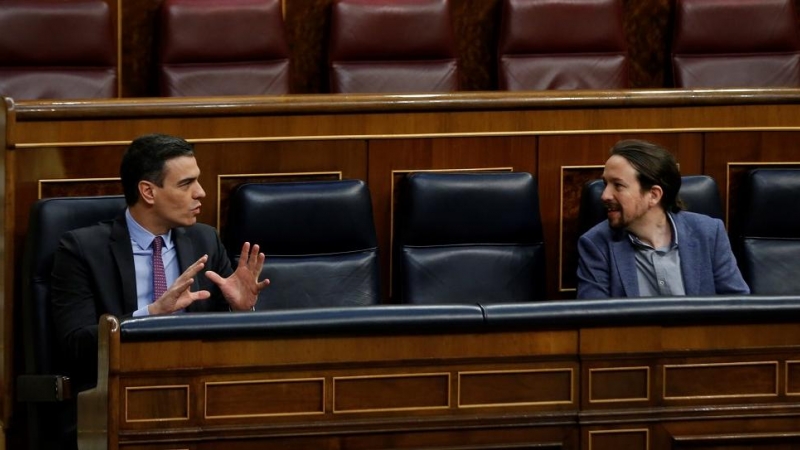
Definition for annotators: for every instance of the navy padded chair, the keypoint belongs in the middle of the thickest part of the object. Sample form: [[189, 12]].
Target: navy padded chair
[[770, 231], [735, 43], [57, 50], [392, 46], [699, 193], [319, 239], [468, 238], [553, 44], [45, 387], [223, 47]]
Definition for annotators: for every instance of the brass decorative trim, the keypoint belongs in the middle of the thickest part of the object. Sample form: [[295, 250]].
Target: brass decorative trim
[[741, 364], [19, 146], [568, 370], [762, 438], [419, 135], [397, 376], [154, 388], [646, 431], [396, 172], [68, 180], [561, 287], [620, 369], [789, 363], [269, 381], [220, 177], [118, 34]]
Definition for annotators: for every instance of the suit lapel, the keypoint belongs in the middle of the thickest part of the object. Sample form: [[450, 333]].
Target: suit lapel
[[691, 260], [186, 255], [184, 247], [122, 253], [622, 252]]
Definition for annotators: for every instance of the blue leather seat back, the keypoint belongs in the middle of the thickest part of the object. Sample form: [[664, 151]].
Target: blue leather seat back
[[319, 238], [468, 238], [52, 424], [770, 231]]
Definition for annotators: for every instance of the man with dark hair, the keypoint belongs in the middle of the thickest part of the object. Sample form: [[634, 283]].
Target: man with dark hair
[[649, 246], [152, 259]]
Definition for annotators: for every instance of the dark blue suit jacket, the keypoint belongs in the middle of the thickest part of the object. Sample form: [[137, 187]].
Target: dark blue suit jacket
[[607, 267], [94, 274]]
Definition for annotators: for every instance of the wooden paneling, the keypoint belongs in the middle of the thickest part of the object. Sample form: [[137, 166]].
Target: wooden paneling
[[391, 392], [156, 403], [633, 439], [503, 388], [619, 384], [460, 390], [263, 398], [721, 380], [74, 148]]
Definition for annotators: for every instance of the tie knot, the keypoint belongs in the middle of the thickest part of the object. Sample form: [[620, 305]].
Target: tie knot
[[158, 243]]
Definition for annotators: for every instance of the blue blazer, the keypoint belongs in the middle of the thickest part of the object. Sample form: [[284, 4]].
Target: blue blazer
[[607, 267]]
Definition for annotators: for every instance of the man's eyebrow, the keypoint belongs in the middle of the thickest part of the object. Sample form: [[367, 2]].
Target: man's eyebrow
[[187, 180]]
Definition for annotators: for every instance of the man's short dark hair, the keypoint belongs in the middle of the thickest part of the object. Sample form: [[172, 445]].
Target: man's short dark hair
[[144, 160], [655, 166]]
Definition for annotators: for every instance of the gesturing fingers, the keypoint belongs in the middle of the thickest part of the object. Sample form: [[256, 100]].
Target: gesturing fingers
[[244, 256], [193, 270], [256, 261], [252, 259], [177, 297]]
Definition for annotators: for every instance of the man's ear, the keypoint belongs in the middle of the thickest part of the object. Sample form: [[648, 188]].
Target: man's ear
[[147, 192], [655, 195]]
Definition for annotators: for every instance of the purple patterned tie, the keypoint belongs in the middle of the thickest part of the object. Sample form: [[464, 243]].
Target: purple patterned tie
[[159, 277]]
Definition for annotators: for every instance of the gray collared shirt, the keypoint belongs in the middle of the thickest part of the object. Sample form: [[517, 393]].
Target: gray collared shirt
[[659, 269]]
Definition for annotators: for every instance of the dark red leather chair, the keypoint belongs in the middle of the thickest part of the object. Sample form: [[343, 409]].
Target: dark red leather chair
[[222, 47], [553, 44], [391, 46], [57, 50], [735, 43]]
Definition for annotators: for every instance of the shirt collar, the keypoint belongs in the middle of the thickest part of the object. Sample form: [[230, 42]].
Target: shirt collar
[[141, 237], [636, 241]]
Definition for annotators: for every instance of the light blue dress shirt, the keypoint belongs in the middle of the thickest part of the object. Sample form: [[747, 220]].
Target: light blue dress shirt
[[142, 244]]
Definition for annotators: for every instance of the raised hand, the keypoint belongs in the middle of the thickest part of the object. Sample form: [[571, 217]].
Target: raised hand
[[178, 296], [242, 287]]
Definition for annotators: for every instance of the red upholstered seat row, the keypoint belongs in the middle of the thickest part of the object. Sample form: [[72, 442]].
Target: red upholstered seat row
[[222, 47], [736, 43], [57, 49]]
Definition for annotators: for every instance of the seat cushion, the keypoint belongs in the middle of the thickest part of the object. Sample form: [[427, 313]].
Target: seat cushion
[[473, 274]]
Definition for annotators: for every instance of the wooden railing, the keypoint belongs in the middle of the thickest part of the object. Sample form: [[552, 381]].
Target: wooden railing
[[630, 374]]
